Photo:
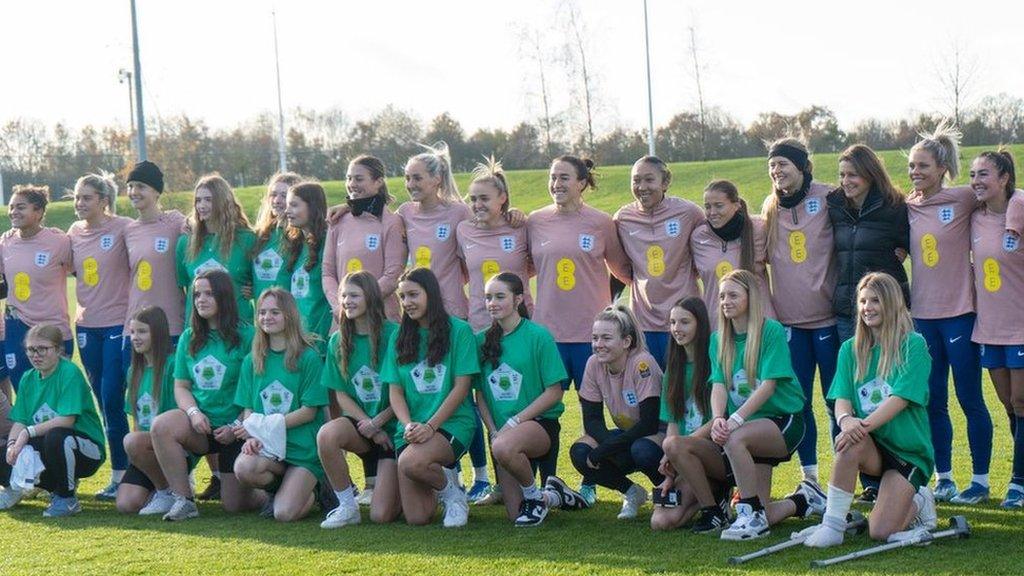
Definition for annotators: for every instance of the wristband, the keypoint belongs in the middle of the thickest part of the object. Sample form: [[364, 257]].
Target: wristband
[[31, 431], [11, 443], [512, 422], [236, 423], [839, 420], [192, 411], [409, 426], [735, 417], [431, 426]]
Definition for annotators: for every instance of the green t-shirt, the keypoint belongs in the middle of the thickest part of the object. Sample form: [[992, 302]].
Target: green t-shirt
[[63, 393], [280, 391], [692, 418], [907, 435], [426, 387], [529, 364], [237, 264], [363, 384], [144, 409], [308, 289], [213, 372], [270, 266], [774, 364]]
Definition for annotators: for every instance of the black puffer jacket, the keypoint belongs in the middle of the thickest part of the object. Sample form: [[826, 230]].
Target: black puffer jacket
[[866, 241]]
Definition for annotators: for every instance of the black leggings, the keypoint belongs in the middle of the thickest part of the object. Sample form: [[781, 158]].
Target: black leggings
[[643, 456], [67, 457]]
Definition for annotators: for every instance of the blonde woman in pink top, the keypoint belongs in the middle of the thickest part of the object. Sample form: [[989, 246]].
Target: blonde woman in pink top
[[488, 244], [365, 235], [730, 238], [573, 246], [35, 262], [803, 277], [655, 234], [100, 259], [943, 297], [999, 284]]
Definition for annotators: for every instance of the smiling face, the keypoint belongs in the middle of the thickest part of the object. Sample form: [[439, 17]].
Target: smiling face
[[270, 316], [682, 325], [203, 299], [413, 298], [733, 299], [42, 353], [418, 181], [23, 214], [278, 199], [784, 174], [607, 342], [564, 185], [203, 203], [360, 183], [142, 196], [648, 185], [925, 173], [353, 300], [855, 186], [486, 201], [869, 308], [89, 203], [297, 211], [501, 302], [141, 336], [986, 181], [718, 208]]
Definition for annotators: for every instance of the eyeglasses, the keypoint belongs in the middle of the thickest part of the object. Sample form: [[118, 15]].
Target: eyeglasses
[[38, 350]]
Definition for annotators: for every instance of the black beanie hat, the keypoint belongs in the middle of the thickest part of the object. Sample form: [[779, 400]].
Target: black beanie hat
[[147, 173]]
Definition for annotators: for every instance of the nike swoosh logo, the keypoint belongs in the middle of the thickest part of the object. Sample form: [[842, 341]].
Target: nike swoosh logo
[[912, 220], [341, 241], [977, 239], [468, 246], [116, 337], [825, 337], [545, 243], [954, 340], [1019, 353], [634, 232], [703, 241]]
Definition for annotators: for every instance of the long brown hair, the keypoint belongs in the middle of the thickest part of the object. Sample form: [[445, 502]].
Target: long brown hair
[[374, 318], [747, 235], [438, 326], [159, 351], [896, 325], [675, 368], [755, 326], [312, 193], [296, 341], [491, 350], [227, 312], [869, 166], [266, 221], [226, 211]]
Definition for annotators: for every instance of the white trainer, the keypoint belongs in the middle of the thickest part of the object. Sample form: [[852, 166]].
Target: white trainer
[[160, 503], [341, 516], [632, 500]]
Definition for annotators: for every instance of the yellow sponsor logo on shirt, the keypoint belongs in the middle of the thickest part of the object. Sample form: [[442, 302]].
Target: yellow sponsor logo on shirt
[[655, 261], [723, 268], [22, 286], [353, 265], [930, 250], [423, 257], [566, 279], [993, 282], [90, 271], [144, 276], [797, 246], [488, 268]]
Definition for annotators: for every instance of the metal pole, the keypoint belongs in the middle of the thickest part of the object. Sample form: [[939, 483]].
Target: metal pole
[[141, 136], [281, 150], [122, 76], [650, 104]]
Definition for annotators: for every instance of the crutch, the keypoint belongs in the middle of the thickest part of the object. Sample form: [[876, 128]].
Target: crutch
[[958, 527], [856, 523]]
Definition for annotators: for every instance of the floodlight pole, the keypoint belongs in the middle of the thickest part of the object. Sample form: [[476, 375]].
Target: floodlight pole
[[281, 148], [650, 101], [141, 118]]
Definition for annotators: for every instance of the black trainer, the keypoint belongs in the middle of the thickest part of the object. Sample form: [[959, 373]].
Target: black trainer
[[531, 513], [568, 498], [212, 491], [868, 496], [711, 519]]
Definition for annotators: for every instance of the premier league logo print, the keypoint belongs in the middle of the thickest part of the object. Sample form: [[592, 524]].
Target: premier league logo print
[[586, 242], [428, 379], [160, 244], [813, 206], [211, 264], [946, 214], [740, 389], [42, 259], [508, 243], [872, 395], [443, 231], [672, 228], [268, 264], [372, 242], [145, 410], [208, 373], [276, 398], [367, 385], [44, 414], [1010, 242], [505, 383], [106, 242]]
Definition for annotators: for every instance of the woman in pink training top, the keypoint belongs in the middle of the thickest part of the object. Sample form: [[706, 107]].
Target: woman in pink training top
[[366, 235], [800, 247], [943, 297], [730, 238], [100, 260], [35, 262]]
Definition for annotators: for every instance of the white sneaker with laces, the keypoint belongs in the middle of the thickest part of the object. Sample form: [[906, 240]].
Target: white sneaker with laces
[[10, 497], [160, 503], [748, 524], [632, 500], [182, 509], [926, 517], [456, 507], [341, 516], [365, 497]]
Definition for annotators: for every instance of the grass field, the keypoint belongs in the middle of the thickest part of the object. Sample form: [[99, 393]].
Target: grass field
[[99, 541]]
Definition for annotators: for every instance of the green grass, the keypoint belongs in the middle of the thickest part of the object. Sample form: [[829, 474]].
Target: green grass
[[100, 541]]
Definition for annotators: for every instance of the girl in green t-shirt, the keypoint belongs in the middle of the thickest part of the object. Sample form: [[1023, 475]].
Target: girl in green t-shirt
[[206, 367], [281, 376], [519, 393], [269, 264], [54, 405], [686, 409], [144, 490], [429, 367], [352, 370], [881, 395], [757, 408], [304, 246]]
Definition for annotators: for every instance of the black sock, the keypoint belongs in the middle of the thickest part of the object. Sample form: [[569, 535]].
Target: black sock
[[754, 502], [801, 504]]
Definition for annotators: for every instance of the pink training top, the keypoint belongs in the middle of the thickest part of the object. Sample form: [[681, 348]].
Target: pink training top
[[715, 258], [803, 265], [998, 279], [100, 258], [154, 269], [570, 251], [431, 239], [940, 251], [622, 393], [658, 245], [365, 242], [487, 251], [36, 271], [1015, 213]]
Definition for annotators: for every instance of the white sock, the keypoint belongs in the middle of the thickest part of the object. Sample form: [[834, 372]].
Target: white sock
[[480, 474], [944, 475], [346, 497], [552, 498], [981, 479], [838, 504], [531, 492], [371, 481], [810, 472], [116, 476]]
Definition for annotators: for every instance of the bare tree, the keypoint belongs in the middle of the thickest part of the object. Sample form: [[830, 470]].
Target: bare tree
[[578, 31], [530, 43], [956, 74], [700, 93]]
